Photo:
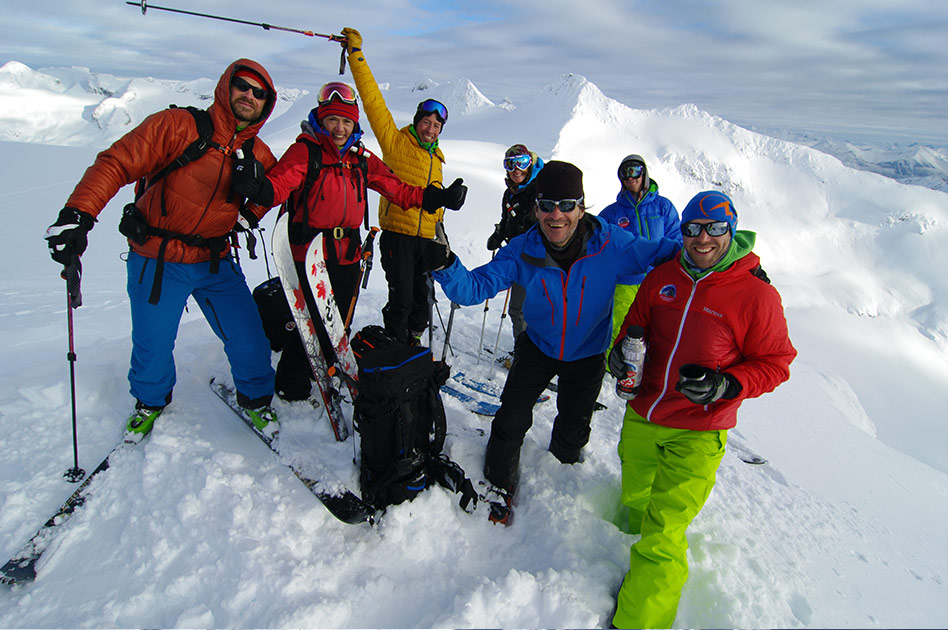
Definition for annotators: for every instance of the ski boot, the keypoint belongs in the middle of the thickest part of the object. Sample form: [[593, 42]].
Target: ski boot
[[140, 423], [265, 421], [500, 502]]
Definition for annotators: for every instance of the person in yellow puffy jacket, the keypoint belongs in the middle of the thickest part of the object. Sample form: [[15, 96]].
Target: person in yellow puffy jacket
[[413, 154]]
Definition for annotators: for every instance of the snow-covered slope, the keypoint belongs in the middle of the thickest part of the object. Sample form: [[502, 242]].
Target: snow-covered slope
[[203, 527]]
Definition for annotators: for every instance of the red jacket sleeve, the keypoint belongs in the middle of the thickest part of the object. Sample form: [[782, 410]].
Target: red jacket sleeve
[[383, 181], [289, 172]]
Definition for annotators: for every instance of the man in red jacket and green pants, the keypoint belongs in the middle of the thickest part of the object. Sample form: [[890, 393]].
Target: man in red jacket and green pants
[[716, 335]]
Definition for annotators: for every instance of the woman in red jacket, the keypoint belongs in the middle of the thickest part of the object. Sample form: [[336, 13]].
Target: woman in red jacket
[[716, 335], [329, 202]]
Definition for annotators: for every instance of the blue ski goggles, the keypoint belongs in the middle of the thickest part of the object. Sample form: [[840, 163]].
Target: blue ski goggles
[[521, 162], [432, 106], [631, 171]]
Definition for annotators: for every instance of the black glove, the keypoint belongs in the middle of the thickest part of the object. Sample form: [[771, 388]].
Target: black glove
[[249, 180], [437, 253], [703, 386], [67, 238], [616, 362], [451, 197], [495, 240]]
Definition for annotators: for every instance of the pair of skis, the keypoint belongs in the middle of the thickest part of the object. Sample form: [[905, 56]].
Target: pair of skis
[[339, 368], [480, 407]]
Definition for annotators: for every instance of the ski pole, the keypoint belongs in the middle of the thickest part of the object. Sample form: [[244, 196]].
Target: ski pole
[[447, 332], [265, 260], [363, 273], [503, 316], [333, 38], [480, 344], [431, 307], [72, 274], [440, 319]]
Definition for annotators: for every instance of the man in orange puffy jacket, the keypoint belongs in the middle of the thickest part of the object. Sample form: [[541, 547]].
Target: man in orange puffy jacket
[[177, 232]]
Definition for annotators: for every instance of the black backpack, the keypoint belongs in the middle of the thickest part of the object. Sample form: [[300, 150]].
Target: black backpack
[[279, 324], [400, 419]]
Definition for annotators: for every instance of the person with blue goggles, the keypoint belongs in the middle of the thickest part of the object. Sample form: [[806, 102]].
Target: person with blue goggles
[[412, 152]]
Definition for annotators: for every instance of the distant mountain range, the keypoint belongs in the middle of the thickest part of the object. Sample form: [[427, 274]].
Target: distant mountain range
[[76, 106]]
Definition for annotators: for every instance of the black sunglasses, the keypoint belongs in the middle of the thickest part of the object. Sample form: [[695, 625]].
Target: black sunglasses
[[258, 93], [565, 205], [716, 228]]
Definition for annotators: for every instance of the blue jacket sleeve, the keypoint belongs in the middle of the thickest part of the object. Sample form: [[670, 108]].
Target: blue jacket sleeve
[[672, 222], [473, 287], [638, 254]]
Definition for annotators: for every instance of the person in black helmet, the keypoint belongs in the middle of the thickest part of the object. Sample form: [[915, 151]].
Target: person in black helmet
[[412, 152], [517, 215]]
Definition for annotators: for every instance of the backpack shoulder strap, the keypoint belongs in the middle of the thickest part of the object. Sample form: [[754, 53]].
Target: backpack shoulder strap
[[363, 166], [205, 130], [759, 273], [313, 166]]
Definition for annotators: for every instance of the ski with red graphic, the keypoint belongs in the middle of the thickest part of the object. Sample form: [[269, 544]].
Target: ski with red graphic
[[328, 386], [328, 311]]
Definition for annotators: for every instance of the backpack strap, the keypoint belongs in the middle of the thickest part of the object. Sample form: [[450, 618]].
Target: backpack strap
[[759, 273], [300, 232], [193, 152], [205, 130]]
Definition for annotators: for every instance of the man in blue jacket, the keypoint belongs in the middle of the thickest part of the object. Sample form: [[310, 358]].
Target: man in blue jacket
[[638, 209], [569, 264]]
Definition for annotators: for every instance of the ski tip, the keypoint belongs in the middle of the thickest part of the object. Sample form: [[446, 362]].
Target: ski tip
[[14, 572], [753, 459]]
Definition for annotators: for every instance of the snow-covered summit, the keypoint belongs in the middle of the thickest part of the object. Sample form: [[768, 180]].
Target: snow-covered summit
[[202, 527]]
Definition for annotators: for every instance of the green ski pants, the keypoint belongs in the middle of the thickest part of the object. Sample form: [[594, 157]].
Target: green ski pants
[[621, 301], [667, 475]]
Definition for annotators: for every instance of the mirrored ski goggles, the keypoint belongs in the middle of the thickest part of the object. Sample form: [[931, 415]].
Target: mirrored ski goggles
[[432, 106], [632, 171], [259, 93], [565, 205], [336, 90], [715, 228], [521, 162]]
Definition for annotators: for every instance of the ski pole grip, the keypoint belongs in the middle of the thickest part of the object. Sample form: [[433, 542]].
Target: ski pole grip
[[72, 273]]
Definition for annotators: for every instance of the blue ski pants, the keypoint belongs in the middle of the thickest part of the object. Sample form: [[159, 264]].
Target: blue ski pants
[[228, 307], [667, 476]]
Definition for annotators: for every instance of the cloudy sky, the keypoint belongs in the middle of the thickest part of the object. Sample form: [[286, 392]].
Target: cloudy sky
[[850, 69]]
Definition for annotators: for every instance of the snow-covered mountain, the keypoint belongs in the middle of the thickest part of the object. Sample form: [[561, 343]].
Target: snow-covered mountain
[[916, 164], [108, 106], [202, 526]]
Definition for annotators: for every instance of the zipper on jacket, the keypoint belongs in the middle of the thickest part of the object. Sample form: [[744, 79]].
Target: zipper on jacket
[[217, 184], [674, 350], [582, 294], [421, 213]]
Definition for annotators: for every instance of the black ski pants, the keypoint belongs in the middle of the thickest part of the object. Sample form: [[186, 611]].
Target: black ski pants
[[530, 372], [294, 374], [407, 276]]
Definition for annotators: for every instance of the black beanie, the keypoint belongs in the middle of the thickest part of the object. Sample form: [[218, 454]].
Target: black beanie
[[559, 180]]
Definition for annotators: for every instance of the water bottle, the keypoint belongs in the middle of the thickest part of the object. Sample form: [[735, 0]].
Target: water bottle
[[633, 354]]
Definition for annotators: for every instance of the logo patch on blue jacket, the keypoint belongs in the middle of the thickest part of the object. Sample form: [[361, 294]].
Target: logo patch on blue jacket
[[623, 222]]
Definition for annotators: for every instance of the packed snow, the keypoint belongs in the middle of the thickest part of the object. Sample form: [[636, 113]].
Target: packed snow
[[202, 526]]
